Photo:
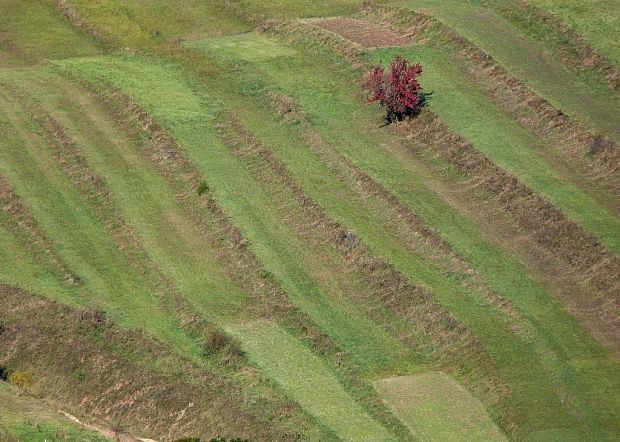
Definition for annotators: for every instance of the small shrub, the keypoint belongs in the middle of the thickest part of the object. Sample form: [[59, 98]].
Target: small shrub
[[598, 143], [4, 373], [91, 317], [21, 379], [80, 375], [220, 342], [397, 89], [202, 188]]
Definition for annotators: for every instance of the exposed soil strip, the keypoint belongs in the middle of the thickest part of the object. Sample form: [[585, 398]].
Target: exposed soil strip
[[363, 33], [525, 106]]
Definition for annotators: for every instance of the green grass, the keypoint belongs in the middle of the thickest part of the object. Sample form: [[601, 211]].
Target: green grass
[[464, 107], [352, 129], [298, 8], [598, 21], [559, 383], [136, 23], [436, 407], [78, 235], [586, 101], [31, 31], [304, 377], [23, 418], [189, 121]]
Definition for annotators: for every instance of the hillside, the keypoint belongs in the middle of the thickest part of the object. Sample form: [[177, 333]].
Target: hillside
[[207, 231]]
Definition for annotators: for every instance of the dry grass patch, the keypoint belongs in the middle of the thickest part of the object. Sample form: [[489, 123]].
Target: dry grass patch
[[362, 32]]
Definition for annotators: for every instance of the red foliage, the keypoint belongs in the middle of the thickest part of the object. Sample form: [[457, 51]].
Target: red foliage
[[398, 89]]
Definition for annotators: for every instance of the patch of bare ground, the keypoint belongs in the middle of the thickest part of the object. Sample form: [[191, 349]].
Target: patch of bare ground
[[573, 251], [270, 301], [579, 251], [559, 131], [102, 374], [362, 33]]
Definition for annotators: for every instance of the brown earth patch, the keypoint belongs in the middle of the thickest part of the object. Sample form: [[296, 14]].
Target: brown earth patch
[[362, 32]]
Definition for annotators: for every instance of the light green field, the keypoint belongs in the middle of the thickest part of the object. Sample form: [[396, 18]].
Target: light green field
[[303, 376], [598, 21], [436, 407], [593, 105]]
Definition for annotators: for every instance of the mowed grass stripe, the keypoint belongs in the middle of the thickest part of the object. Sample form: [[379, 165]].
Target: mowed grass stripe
[[327, 98], [436, 407], [305, 379], [33, 31], [182, 112], [591, 103], [79, 238]]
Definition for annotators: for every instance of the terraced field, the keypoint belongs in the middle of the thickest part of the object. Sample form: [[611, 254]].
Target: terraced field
[[207, 231]]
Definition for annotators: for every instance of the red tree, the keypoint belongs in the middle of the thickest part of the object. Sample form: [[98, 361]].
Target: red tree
[[398, 89]]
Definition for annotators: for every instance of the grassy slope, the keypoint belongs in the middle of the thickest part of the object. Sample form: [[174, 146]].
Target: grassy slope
[[507, 143], [346, 124], [79, 236], [167, 234], [598, 20], [579, 376], [317, 390], [22, 418], [184, 114], [586, 101], [438, 408], [31, 31]]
